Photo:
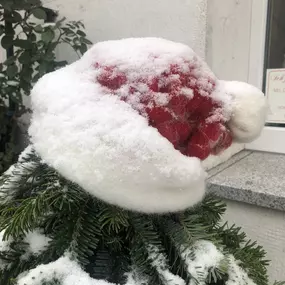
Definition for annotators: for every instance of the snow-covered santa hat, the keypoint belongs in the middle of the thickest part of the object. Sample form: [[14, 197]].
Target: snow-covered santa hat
[[131, 121]]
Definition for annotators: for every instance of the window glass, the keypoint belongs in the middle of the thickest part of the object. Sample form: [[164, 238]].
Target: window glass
[[274, 71]]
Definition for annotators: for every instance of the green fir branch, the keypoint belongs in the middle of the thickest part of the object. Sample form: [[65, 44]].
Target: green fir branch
[[108, 241], [218, 274], [251, 256], [145, 235], [175, 239], [211, 209], [86, 232], [25, 214]]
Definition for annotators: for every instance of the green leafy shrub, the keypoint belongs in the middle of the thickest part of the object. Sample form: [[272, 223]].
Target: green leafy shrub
[[30, 34]]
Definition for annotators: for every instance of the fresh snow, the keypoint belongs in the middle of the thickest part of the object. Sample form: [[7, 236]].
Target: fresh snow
[[134, 278], [202, 256], [25, 154], [159, 262], [36, 241], [90, 122], [206, 255], [98, 141], [237, 276], [66, 271], [4, 246]]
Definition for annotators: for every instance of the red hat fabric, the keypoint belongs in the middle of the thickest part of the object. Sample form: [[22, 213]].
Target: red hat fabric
[[179, 102]]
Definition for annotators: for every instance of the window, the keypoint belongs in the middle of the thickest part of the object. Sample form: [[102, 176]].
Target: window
[[267, 64]]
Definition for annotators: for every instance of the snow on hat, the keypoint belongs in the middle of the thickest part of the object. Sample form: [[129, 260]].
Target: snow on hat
[[131, 121]]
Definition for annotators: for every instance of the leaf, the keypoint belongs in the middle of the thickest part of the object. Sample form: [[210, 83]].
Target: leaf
[[2, 29], [76, 42], [59, 22], [83, 48], [61, 63], [25, 57], [81, 25], [68, 40], [36, 77], [43, 68], [25, 44], [38, 28], [9, 31], [27, 74], [16, 98], [86, 41], [7, 5], [68, 32], [34, 2], [81, 33], [26, 86], [10, 60], [13, 83], [12, 70], [16, 17], [48, 36], [26, 29], [52, 46], [76, 24], [49, 56], [39, 13], [71, 25], [32, 37], [7, 42], [36, 57]]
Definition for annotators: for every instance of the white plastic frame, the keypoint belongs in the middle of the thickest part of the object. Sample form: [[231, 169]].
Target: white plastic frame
[[272, 139]]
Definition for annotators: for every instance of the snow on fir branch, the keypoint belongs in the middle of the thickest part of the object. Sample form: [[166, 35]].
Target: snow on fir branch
[[16, 175], [37, 241], [159, 262], [69, 272], [63, 270]]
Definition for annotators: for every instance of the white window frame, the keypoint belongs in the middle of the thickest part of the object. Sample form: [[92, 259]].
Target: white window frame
[[272, 139]]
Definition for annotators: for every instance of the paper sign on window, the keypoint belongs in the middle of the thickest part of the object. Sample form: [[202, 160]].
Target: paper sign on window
[[275, 93]]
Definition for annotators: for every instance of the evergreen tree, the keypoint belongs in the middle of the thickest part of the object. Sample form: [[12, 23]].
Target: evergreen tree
[[51, 228]]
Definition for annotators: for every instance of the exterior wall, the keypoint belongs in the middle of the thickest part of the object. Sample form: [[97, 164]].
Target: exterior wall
[[267, 227], [228, 38], [228, 54], [179, 20], [228, 41]]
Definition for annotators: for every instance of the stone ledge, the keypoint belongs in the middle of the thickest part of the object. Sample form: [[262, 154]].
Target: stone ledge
[[251, 177]]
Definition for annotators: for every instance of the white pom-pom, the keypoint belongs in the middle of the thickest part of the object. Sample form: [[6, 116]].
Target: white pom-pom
[[249, 111]]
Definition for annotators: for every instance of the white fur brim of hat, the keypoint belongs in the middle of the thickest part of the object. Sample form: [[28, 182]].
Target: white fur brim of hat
[[107, 148]]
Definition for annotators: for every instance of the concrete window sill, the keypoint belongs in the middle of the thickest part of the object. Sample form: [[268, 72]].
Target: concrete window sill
[[256, 178]]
